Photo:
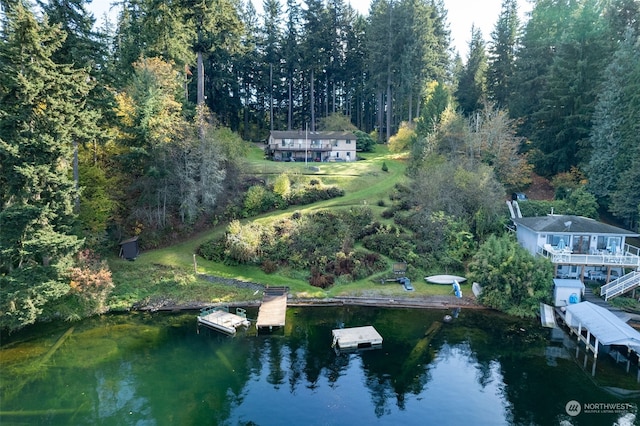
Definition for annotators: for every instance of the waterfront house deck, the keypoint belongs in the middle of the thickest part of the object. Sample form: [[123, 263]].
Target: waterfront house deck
[[628, 257]]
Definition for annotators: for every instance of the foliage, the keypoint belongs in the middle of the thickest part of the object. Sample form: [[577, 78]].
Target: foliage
[[242, 242], [385, 168], [460, 190], [41, 105], [364, 142], [493, 140], [512, 280], [336, 122], [472, 82], [96, 206], [91, 283], [402, 140], [613, 167], [437, 100], [258, 199], [282, 186], [502, 54], [565, 183]]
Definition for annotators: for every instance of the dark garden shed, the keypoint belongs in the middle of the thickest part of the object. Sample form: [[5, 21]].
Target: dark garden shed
[[129, 249]]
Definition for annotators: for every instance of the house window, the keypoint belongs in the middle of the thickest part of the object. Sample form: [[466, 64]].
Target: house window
[[613, 244], [581, 244], [554, 240], [348, 141], [334, 142]]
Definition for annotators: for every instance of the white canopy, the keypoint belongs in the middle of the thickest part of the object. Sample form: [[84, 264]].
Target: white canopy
[[603, 324]]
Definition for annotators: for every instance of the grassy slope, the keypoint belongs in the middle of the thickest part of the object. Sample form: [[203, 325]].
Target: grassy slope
[[169, 273]]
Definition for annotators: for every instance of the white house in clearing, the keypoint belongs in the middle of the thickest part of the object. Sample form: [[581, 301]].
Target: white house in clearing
[[580, 247], [298, 145]]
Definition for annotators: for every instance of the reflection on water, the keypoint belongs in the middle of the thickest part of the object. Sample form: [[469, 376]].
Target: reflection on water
[[482, 368]]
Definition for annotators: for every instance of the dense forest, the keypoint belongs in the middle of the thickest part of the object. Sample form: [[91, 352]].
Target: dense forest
[[139, 127]]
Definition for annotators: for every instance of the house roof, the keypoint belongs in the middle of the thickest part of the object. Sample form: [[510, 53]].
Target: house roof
[[130, 240], [568, 283], [570, 224], [603, 324], [296, 134]]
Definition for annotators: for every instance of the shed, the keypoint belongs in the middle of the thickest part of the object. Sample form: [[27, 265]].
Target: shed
[[129, 249], [567, 291]]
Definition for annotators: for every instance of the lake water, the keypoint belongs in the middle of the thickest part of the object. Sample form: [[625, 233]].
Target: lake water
[[483, 368]]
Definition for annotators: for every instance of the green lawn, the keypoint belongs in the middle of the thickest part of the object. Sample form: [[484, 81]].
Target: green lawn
[[169, 272]]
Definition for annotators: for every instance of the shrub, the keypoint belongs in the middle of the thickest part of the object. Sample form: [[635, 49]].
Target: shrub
[[91, 283], [213, 250], [242, 243], [320, 279], [268, 266], [257, 200], [384, 167]]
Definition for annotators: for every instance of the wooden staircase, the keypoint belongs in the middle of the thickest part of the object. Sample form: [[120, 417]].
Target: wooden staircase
[[621, 285]]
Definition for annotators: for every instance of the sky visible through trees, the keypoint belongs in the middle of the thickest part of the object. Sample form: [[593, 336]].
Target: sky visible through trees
[[462, 14]]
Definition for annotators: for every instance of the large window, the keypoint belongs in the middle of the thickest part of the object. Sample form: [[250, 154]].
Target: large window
[[581, 244], [558, 240], [613, 244]]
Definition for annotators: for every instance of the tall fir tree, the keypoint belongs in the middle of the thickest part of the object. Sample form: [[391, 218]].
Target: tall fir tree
[[41, 103], [502, 50], [613, 168], [472, 83], [567, 103]]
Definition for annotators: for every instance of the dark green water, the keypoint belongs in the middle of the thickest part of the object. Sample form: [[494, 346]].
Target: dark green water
[[155, 369]]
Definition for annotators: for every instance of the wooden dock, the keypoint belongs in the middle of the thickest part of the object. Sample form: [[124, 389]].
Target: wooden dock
[[221, 319], [273, 310], [356, 338]]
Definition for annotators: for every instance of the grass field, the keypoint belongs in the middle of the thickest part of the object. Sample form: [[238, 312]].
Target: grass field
[[169, 273]]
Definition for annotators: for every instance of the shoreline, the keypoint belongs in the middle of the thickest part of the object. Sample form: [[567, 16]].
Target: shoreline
[[426, 302], [418, 302]]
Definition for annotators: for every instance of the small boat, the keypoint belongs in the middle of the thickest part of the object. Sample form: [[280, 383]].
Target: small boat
[[444, 279]]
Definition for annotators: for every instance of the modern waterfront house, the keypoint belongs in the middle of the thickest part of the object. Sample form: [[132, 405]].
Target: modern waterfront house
[[583, 248], [299, 145]]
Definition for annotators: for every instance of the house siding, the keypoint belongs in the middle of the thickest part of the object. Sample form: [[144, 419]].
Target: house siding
[[311, 146]]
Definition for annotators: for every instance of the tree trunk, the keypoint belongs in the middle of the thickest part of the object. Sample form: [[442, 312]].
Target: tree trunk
[[313, 101], [200, 97], [271, 96], [389, 105], [290, 106], [76, 177]]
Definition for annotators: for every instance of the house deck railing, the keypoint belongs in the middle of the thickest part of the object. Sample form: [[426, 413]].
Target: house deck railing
[[297, 147], [629, 257], [621, 285]]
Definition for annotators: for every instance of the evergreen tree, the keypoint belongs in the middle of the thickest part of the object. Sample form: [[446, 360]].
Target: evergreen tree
[[502, 51], [567, 104], [535, 55], [613, 166], [40, 105], [471, 91], [291, 57]]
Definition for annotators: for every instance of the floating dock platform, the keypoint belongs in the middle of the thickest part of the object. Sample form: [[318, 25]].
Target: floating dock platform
[[273, 310], [356, 338], [222, 320]]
